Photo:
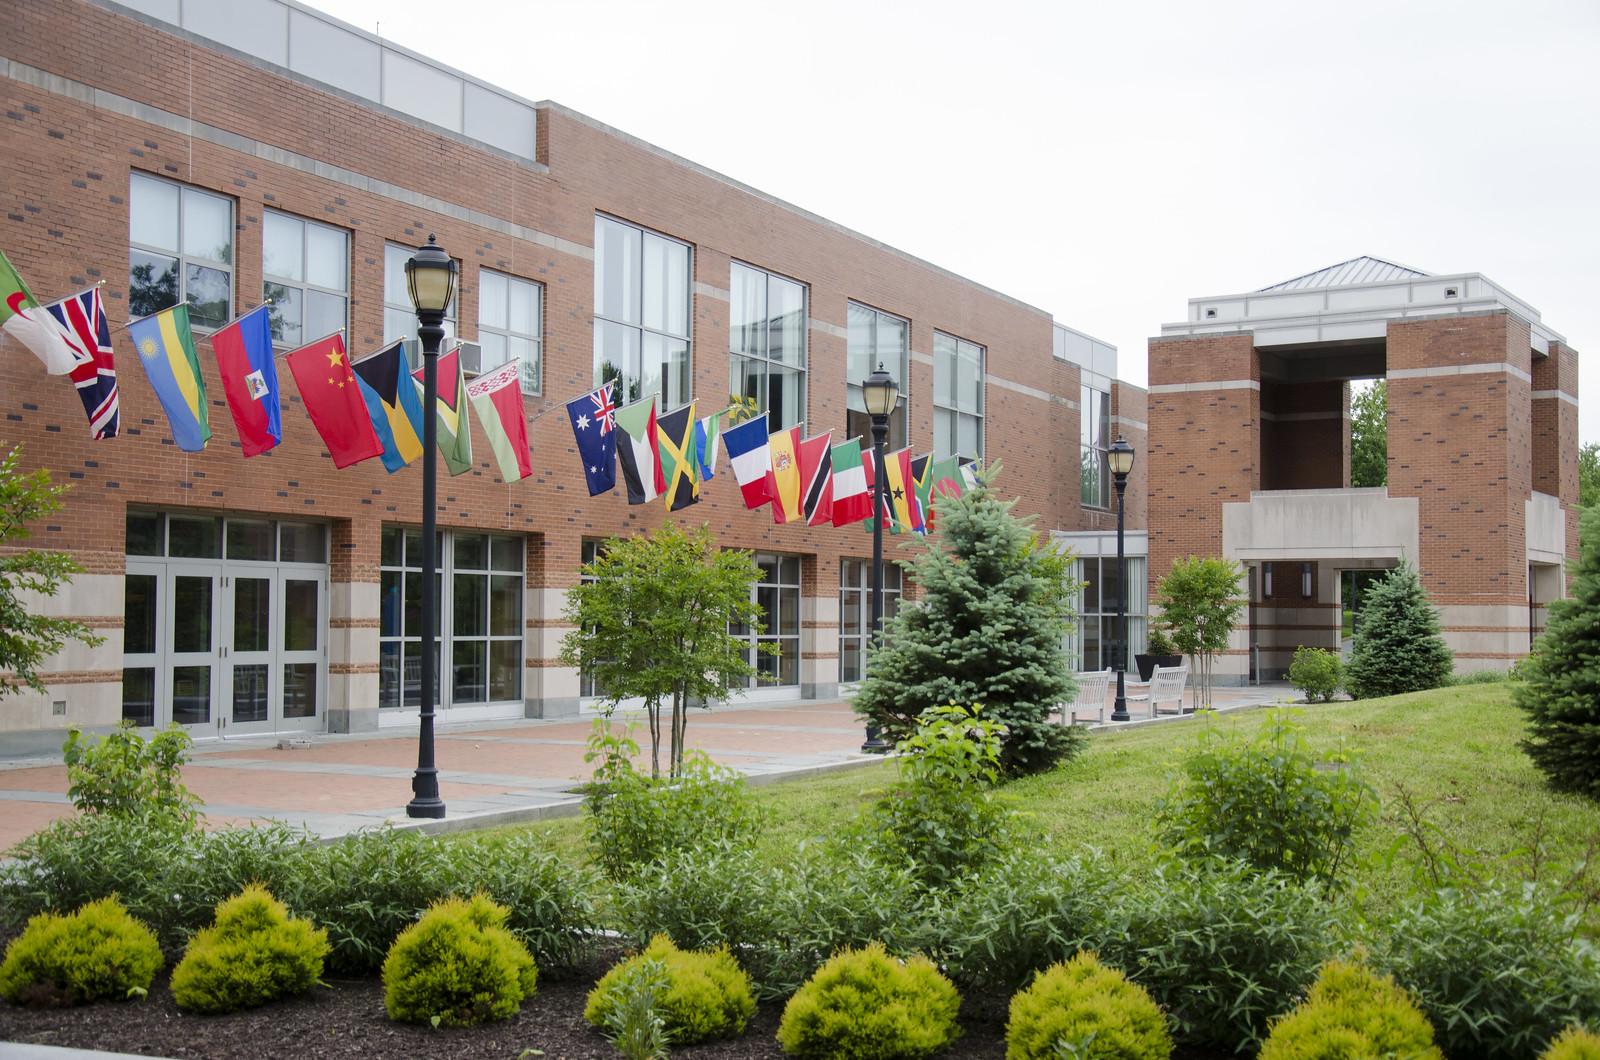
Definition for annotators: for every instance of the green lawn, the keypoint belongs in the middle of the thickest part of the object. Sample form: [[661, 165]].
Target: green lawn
[[1454, 749]]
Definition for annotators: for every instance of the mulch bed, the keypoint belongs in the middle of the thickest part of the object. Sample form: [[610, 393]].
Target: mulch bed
[[346, 1019]]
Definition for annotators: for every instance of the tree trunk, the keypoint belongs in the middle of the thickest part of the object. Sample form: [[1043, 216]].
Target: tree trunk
[[653, 708]]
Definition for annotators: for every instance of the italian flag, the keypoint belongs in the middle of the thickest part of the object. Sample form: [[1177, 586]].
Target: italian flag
[[25, 320], [852, 502]]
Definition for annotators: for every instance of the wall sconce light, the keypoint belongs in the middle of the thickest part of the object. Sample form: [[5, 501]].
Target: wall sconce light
[[1305, 580], [1266, 581]]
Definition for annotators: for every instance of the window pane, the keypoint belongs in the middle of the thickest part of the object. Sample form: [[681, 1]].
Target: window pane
[[399, 324], [152, 283], [494, 349], [969, 440], [324, 315], [944, 369], [944, 432], [665, 369], [251, 539], [139, 614], [191, 694], [505, 670], [1091, 585], [143, 534], [616, 270], [389, 675], [394, 275], [471, 592], [969, 379], [390, 547], [491, 299], [786, 311], [192, 537], [470, 683], [326, 251], [786, 399], [210, 296], [306, 543], [525, 353], [666, 285], [283, 317], [524, 318], [252, 614], [506, 553], [139, 695], [860, 362], [472, 551], [616, 356], [891, 346], [389, 604], [747, 312], [1085, 416], [300, 690], [191, 613], [153, 213], [207, 226], [1090, 493], [282, 246], [505, 605], [300, 615], [748, 379]]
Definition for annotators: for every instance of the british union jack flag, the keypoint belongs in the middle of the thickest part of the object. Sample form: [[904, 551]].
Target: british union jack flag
[[81, 319]]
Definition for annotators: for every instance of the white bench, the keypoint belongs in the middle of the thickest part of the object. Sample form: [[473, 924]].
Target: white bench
[[1091, 696], [1165, 688]]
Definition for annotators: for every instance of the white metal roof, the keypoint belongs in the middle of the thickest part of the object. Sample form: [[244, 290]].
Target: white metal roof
[[1357, 270]]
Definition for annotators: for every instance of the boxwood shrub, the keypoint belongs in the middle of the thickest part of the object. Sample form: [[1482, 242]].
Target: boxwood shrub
[[706, 994], [868, 1005], [97, 952], [1352, 1011], [1084, 1010], [253, 954], [458, 965]]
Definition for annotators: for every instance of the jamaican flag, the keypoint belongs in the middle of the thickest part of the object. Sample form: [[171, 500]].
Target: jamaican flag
[[675, 438]]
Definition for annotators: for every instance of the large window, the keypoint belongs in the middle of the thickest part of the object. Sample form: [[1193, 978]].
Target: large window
[[957, 397], [767, 339], [510, 321], [1094, 412], [480, 618], [855, 612], [180, 250], [877, 337], [641, 312], [778, 594], [1092, 642], [305, 268], [399, 315]]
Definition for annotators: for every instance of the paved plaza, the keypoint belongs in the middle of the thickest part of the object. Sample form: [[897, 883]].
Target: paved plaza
[[489, 772]]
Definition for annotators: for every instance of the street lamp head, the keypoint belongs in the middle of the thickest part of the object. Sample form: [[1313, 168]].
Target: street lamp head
[[1120, 457], [880, 392], [431, 277]]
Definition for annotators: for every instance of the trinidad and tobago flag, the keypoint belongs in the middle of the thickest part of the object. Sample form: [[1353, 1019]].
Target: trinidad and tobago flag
[[81, 319]]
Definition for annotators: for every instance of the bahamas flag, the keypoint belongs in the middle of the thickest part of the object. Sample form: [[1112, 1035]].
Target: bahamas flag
[[166, 349], [393, 403]]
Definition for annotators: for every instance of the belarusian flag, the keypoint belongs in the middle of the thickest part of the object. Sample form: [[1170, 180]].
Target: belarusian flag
[[784, 478], [638, 452], [675, 441], [25, 320], [852, 502], [455, 433], [497, 399]]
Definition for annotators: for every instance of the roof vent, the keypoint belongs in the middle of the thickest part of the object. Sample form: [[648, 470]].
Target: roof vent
[[1451, 292], [1211, 313]]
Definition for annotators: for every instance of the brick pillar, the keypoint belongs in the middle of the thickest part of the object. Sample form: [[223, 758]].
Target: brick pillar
[[550, 689], [1460, 415], [819, 626], [353, 625], [1555, 433]]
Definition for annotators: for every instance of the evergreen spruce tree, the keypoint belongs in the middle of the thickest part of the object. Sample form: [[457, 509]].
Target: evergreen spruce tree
[[1561, 690], [1398, 645], [987, 630]]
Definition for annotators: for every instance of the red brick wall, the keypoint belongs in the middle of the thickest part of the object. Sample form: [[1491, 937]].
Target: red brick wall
[[1305, 436], [1555, 433]]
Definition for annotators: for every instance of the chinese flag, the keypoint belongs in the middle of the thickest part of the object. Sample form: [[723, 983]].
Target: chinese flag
[[333, 400]]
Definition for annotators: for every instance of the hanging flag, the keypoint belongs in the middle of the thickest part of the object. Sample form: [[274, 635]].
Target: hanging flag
[[816, 477], [675, 436], [969, 474], [638, 452], [922, 488], [751, 459], [900, 492], [334, 400], [166, 349], [784, 478], [852, 497], [706, 433], [250, 380], [25, 320], [594, 425], [454, 433], [81, 319], [497, 399], [393, 404], [945, 479]]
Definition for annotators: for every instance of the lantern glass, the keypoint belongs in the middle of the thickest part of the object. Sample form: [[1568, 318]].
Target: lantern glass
[[431, 278], [1120, 457], [880, 393]]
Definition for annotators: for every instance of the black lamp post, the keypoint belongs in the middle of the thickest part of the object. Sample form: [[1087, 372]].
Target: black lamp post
[[1120, 458], [431, 277], [880, 393]]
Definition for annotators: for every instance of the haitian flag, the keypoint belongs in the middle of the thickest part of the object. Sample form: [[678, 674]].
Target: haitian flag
[[250, 380], [497, 399], [81, 319], [334, 401], [852, 496], [675, 437], [594, 427], [455, 432], [166, 349], [751, 459], [393, 404]]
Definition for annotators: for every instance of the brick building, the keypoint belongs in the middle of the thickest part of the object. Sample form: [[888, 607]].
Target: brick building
[[1249, 413], [218, 153]]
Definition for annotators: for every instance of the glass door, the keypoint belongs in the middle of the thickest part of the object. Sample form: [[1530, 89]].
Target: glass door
[[301, 650], [248, 654], [142, 637], [191, 665]]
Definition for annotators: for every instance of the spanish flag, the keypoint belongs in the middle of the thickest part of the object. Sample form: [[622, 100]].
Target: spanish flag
[[787, 499], [166, 349], [393, 403]]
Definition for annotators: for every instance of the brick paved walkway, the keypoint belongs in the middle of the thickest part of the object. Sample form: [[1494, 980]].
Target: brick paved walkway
[[502, 771]]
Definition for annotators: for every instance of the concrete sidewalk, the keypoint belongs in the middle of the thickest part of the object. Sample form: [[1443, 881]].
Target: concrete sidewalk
[[489, 772]]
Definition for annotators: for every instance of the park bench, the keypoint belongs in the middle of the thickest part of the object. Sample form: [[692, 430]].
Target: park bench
[[1091, 696], [1165, 688]]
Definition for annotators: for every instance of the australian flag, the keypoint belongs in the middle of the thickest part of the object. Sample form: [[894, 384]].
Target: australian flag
[[81, 319], [594, 425]]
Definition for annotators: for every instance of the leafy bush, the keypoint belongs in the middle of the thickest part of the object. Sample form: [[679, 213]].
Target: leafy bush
[[867, 1005], [1087, 1011], [253, 954], [1560, 690], [1317, 673], [633, 1023], [701, 898], [1222, 948], [943, 817], [99, 951], [1352, 1012], [707, 995], [1158, 643], [1499, 971], [123, 775], [1266, 801], [1575, 1043], [1398, 646], [634, 820], [457, 966]]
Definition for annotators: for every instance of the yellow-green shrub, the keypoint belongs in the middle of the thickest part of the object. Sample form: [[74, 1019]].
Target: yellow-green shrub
[[1575, 1043], [254, 953], [866, 1005], [98, 951], [1091, 1011], [1352, 1012], [458, 965], [707, 994]]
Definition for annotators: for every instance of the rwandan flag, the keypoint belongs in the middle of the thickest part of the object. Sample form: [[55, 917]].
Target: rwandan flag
[[393, 403], [166, 349], [455, 432], [250, 380]]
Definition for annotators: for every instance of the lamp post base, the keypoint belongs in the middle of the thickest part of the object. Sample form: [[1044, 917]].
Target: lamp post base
[[876, 744], [425, 801]]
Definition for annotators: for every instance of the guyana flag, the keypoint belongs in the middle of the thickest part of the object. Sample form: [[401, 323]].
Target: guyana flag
[[675, 439], [455, 436]]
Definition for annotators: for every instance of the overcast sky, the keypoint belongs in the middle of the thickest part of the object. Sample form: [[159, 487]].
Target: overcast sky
[[1107, 161]]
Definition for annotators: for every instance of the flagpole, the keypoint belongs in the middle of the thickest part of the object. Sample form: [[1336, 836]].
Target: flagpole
[[308, 345]]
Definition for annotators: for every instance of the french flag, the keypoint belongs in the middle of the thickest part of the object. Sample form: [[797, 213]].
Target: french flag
[[746, 446]]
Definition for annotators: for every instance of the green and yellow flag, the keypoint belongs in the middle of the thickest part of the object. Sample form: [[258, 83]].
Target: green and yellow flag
[[675, 440], [455, 432]]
